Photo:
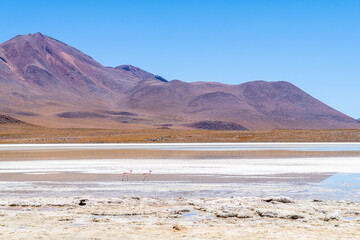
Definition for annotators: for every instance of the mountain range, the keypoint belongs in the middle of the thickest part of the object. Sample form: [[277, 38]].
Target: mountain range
[[46, 82]]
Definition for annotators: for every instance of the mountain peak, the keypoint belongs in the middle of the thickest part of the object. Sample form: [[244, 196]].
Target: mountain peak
[[139, 72], [31, 37], [36, 35]]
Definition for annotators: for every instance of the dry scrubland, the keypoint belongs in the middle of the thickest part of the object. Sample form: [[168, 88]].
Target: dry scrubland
[[22, 133]]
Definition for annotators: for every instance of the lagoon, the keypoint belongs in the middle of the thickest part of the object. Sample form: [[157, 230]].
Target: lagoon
[[329, 176]]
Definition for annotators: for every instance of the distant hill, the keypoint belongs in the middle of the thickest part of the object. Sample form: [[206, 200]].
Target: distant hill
[[4, 119], [46, 82], [217, 125]]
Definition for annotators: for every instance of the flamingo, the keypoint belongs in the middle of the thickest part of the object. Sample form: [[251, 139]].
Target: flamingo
[[146, 175], [126, 175]]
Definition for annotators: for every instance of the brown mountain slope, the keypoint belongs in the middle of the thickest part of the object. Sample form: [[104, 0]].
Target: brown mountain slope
[[4, 119], [46, 82]]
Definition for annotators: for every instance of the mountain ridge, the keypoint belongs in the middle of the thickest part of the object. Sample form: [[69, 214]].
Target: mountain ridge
[[49, 79]]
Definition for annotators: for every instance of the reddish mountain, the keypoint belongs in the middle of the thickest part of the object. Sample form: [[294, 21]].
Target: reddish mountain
[[46, 82]]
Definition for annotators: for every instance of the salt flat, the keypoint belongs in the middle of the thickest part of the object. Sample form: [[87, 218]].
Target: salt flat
[[188, 166]]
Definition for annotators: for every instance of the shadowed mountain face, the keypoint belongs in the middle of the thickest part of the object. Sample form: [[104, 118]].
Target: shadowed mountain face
[[44, 81], [9, 120]]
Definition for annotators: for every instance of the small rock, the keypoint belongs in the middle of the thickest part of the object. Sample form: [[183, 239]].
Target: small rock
[[320, 210], [200, 209], [20, 204], [267, 199], [243, 215], [178, 227], [101, 220], [65, 219], [276, 214], [225, 214], [82, 202], [279, 199], [292, 216], [135, 197], [332, 216], [266, 213], [181, 211]]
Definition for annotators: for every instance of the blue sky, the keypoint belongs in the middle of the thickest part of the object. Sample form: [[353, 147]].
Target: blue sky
[[313, 44]]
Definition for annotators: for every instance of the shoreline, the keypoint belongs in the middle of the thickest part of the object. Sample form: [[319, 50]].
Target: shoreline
[[24, 152]]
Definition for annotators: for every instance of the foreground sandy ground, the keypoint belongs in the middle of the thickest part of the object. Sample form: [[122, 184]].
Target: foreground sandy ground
[[132, 217], [13, 133]]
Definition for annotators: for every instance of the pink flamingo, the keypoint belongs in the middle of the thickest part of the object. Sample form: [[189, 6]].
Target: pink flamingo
[[146, 175], [126, 175]]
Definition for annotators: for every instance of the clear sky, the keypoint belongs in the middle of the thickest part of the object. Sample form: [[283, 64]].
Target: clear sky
[[314, 44]]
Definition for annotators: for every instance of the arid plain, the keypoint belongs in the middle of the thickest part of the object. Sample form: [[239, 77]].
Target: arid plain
[[24, 133]]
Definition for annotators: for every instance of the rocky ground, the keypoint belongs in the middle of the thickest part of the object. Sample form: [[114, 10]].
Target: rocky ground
[[132, 217]]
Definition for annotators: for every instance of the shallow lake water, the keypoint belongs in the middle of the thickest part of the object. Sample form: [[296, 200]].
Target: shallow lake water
[[192, 146], [326, 177]]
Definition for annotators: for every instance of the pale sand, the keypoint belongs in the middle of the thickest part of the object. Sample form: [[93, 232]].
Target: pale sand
[[153, 218]]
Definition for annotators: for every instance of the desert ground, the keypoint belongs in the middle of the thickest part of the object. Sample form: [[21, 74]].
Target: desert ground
[[24, 133]]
